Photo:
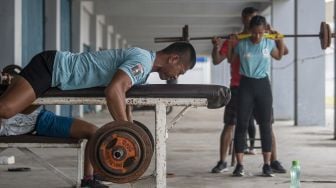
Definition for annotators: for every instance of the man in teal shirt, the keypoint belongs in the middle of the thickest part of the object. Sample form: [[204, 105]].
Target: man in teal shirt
[[117, 69]]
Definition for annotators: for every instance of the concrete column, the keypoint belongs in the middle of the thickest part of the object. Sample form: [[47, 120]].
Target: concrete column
[[52, 40], [82, 16], [101, 27], [117, 41], [96, 32], [110, 38], [10, 32], [52, 25], [124, 43], [283, 71], [311, 66], [18, 32]]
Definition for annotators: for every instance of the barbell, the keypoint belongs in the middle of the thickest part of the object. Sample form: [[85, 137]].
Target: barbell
[[325, 36]]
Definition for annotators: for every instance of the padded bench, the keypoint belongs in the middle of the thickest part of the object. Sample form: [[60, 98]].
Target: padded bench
[[25, 142], [158, 95]]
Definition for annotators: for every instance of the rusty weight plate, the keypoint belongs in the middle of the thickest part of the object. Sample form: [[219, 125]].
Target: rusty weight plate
[[121, 151], [325, 35]]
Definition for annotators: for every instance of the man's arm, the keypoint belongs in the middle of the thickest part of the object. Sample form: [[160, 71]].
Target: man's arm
[[234, 57], [285, 50], [115, 94], [217, 57], [279, 51]]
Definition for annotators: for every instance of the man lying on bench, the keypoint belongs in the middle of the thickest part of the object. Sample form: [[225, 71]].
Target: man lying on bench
[[117, 69], [46, 123]]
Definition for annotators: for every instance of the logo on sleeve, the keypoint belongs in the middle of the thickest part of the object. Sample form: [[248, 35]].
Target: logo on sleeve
[[137, 69]]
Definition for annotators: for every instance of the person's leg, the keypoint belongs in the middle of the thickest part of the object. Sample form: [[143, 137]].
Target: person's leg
[[275, 163], [274, 151], [48, 124], [230, 119], [226, 140], [245, 107], [251, 133], [84, 130], [32, 82], [17, 97], [263, 106]]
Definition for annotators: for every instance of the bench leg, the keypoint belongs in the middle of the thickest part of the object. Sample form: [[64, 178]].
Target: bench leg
[[48, 166], [80, 163], [160, 145]]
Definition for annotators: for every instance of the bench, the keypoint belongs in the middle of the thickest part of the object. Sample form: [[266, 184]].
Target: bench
[[158, 95], [25, 142]]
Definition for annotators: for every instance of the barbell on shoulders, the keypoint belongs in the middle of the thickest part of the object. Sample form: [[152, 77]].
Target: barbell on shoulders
[[324, 35]]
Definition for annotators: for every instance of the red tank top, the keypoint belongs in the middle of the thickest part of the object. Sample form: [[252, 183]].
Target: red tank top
[[234, 66]]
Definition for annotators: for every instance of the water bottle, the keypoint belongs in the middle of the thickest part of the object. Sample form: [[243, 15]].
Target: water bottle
[[295, 174]]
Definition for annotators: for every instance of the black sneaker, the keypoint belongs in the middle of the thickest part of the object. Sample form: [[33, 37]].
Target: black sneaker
[[267, 170], [277, 167], [92, 184], [239, 171], [220, 167]]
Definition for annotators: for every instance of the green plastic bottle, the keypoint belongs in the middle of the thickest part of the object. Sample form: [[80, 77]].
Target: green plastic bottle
[[295, 172]]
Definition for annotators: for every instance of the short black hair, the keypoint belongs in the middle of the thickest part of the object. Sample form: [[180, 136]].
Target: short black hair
[[257, 21], [248, 11], [181, 48]]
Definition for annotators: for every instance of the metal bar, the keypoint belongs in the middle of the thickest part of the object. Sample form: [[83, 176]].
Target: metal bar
[[303, 35], [48, 166], [80, 163], [334, 75], [176, 39], [39, 145], [131, 101], [178, 117], [295, 63], [160, 145]]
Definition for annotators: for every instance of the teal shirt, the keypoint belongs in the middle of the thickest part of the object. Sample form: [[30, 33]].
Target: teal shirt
[[255, 59], [93, 69]]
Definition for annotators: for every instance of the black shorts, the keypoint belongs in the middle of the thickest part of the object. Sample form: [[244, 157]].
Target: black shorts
[[39, 72], [231, 109], [230, 113]]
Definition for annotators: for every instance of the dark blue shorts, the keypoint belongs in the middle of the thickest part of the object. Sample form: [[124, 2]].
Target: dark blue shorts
[[49, 124]]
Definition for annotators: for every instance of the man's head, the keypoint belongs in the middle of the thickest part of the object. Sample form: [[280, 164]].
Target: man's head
[[257, 27], [177, 59], [247, 14]]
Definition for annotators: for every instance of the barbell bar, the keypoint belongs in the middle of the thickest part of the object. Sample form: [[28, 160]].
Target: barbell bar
[[325, 36]]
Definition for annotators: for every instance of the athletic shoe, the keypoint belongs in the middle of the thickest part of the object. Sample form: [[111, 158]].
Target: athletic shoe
[[220, 167], [277, 167], [239, 171], [92, 184], [267, 170]]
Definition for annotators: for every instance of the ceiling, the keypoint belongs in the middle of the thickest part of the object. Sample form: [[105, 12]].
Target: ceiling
[[140, 21]]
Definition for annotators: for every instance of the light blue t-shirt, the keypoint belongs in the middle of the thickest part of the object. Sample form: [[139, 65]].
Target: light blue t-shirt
[[255, 59], [93, 69]]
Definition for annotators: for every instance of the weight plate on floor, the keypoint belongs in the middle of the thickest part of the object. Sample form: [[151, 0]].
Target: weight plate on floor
[[121, 151]]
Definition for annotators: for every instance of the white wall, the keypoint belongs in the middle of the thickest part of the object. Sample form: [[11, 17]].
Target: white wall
[[311, 64]]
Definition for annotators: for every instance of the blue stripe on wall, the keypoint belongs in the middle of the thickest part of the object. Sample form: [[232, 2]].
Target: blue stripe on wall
[[32, 29]]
